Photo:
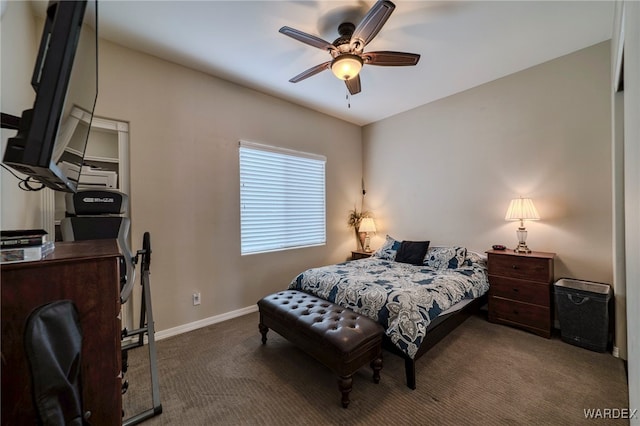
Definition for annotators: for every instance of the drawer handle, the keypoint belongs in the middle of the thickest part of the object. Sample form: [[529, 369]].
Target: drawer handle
[[514, 266], [516, 290], [515, 311]]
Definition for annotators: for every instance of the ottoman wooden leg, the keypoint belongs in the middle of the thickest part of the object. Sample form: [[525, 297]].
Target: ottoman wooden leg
[[376, 366], [344, 384], [263, 330]]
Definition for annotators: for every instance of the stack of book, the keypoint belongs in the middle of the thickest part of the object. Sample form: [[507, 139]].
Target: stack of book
[[24, 245]]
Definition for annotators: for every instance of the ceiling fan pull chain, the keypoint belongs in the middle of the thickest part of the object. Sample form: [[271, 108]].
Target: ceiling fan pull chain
[[348, 100]]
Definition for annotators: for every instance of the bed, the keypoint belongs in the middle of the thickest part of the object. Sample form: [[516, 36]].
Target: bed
[[417, 302]]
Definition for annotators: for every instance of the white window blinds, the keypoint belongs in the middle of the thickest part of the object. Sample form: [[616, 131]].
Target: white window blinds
[[282, 198]]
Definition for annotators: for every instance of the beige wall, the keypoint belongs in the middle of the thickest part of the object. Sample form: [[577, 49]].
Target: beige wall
[[19, 36], [618, 160], [184, 133], [446, 171], [630, 26]]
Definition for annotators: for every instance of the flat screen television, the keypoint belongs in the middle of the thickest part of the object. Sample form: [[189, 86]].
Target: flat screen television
[[52, 136]]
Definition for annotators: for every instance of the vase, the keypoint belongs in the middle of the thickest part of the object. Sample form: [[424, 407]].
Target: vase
[[362, 236]]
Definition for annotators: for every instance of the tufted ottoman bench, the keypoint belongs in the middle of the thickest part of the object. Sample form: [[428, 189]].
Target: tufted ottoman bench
[[337, 337]]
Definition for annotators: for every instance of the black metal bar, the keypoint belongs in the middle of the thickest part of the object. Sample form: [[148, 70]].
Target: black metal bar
[[10, 121], [130, 346], [145, 415], [136, 332]]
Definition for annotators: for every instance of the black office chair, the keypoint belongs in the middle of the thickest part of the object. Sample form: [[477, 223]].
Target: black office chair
[[53, 344], [98, 214]]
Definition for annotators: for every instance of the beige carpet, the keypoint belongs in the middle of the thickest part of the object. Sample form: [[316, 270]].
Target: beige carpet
[[481, 374]]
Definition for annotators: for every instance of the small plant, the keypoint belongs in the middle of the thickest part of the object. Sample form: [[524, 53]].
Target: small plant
[[355, 217]]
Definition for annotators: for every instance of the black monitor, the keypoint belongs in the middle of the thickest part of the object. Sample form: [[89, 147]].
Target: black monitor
[[52, 136]]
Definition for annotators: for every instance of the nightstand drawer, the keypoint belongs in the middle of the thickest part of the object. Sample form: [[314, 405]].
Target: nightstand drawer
[[526, 268], [519, 313], [519, 290]]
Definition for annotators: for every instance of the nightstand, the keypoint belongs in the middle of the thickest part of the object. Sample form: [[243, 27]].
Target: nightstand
[[360, 254], [520, 292]]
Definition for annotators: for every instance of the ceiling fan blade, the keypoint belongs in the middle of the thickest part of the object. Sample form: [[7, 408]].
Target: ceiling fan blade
[[311, 71], [353, 85], [309, 39], [390, 59], [371, 24]]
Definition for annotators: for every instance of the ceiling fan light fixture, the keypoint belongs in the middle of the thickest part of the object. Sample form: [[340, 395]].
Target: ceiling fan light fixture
[[347, 51], [346, 66]]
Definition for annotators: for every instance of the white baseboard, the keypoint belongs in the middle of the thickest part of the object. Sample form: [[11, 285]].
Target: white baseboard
[[170, 332], [616, 352]]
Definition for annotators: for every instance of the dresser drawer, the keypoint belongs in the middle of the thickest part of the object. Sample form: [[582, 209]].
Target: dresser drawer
[[526, 268], [519, 313], [519, 290]]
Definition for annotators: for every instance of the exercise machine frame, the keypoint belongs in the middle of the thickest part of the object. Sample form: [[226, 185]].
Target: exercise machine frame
[[146, 327]]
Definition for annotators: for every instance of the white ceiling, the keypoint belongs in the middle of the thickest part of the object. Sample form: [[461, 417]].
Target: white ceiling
[[462, 44]]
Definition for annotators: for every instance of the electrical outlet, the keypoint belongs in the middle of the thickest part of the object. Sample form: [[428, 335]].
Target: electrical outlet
[[196, 298]]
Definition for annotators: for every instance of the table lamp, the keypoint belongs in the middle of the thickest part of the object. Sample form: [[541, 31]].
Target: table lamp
[[522, 209], [366, 226]]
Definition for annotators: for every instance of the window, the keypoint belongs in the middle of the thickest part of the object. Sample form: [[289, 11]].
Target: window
[[282, 199]]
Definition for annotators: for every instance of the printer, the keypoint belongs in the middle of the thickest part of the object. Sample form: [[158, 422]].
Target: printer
[[92, 177]]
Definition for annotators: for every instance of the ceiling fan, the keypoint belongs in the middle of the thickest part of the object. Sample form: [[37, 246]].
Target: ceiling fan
[[347, 50]]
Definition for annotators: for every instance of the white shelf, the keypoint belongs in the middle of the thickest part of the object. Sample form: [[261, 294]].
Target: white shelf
[[101, 159]]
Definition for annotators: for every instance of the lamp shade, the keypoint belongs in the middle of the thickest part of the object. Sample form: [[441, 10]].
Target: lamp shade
[[346, 66], [367, 225], [522, 209]]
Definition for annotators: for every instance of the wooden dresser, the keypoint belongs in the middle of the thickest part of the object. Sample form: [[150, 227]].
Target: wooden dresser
[[520, 292], [86, 272]]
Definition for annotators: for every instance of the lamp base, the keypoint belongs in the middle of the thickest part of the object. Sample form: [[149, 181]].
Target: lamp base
[[522, 238], [522, 248], [367, 241], [362, 236]]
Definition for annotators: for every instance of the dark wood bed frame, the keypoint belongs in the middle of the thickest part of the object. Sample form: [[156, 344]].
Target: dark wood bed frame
[[434, 335]]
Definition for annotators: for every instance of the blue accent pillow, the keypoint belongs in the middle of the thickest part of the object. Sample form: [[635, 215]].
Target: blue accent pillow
[[388, 250]]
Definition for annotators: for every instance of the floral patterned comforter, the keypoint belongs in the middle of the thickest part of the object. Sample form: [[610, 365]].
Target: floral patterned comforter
[[403, 298]]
